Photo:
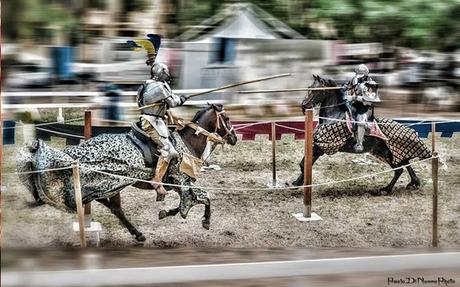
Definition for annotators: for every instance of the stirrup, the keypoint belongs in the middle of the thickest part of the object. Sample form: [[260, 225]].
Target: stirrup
[[160, 189], [358, 147]]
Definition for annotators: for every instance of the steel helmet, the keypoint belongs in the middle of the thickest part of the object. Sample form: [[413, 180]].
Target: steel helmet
[[160, 72], [362, 70]]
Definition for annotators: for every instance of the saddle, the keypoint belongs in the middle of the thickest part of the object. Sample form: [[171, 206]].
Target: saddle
[[143, 142], [373, 131], [188, 164]]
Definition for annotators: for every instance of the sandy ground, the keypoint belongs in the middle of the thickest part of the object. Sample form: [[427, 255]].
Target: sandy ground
[[352, 215]]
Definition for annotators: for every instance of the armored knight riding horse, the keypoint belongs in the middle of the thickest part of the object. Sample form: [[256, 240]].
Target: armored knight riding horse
[[347, 124], [110, 162]]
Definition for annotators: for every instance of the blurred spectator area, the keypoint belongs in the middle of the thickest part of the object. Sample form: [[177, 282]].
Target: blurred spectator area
[[208, 44]]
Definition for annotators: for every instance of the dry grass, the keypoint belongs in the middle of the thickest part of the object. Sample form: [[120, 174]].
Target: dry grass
[[352, 216]]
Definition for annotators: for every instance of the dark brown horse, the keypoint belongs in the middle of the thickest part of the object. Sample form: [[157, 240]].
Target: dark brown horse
[[211, 119], [401, 146]]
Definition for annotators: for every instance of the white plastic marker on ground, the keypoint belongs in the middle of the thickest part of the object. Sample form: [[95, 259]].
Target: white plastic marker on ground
[[233, 271]]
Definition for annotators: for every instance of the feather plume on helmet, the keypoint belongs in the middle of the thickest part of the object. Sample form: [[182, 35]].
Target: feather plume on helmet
[[151, 45]]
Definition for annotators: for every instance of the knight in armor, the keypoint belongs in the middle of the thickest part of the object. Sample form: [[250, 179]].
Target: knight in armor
[[156, 95], [359, 94]]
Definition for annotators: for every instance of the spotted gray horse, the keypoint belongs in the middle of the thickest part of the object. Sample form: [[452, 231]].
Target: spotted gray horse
[[110, 162]]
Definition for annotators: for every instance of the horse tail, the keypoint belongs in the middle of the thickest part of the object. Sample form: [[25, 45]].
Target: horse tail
[[35, 164], [25, 166]]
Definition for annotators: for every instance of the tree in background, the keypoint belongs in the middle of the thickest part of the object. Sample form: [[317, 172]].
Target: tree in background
[[423, 24], [37, 19]]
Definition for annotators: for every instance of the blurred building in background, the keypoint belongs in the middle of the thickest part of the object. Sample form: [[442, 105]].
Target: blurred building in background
[[411, 46]]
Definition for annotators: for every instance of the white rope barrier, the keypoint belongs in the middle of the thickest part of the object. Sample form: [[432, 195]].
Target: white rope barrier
[[243, 126], [112, 121], [258, 189], [36, 171], [418, 123], [21, 124], [227, 188], [251, 124], [290, 128], [61, 133]]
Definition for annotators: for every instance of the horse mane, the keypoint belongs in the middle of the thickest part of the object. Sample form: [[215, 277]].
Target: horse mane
[[328, 82], [217, 107]]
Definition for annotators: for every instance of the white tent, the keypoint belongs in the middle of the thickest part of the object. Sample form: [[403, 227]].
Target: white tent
[[241, 21]]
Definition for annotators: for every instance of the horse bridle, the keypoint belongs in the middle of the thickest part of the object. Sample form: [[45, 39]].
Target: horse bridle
[[221, 121]]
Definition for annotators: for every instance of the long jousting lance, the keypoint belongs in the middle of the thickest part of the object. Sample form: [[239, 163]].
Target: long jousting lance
[[288, 90], [227, 87]]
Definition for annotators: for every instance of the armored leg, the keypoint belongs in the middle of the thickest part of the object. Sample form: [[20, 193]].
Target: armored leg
[[360, 132], [160, 171], [168, 152]]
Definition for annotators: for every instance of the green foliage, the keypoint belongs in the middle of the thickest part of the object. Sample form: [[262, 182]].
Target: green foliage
[[25, 17], [423, 24]]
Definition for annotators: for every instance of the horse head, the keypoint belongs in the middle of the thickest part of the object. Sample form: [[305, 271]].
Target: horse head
[[318, 97], [214, 119]]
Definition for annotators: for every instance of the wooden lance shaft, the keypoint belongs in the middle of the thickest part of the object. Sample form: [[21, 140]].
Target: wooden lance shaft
[[308, 161], [88, 133], [288, 90], [227, 87]]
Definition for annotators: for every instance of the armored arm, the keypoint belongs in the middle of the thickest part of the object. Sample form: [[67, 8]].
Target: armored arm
[[172, 99]]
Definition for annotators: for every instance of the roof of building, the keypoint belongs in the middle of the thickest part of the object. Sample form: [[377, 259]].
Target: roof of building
[[241, 20]]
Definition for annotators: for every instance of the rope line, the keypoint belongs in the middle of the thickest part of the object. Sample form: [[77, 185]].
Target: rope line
[[261, 189], [426, 122], [37, 171], [61, 133], [418, 123], [112, 121], [290, 128], [229, 188], [21, 124], [251, 124]]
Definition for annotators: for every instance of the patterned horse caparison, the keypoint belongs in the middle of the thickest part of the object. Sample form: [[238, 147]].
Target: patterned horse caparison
[[116, 154], [402, 143]]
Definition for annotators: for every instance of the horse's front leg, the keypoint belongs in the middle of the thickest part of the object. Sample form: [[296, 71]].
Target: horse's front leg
[[316, 154], [206, 220], [171, 212], [114, 205]]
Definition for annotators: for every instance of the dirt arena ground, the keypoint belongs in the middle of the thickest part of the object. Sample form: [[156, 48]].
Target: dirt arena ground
[[352, 215]]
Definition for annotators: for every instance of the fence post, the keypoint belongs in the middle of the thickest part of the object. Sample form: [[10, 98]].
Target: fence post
[[307, 174], [78, 202], [88, 133], [307, 214], [274, 153], [434, 172]]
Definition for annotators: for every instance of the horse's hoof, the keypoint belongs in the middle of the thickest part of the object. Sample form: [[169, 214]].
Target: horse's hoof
[[140, 237], [385, 191], [160, 197], [298, 182], [358, 148], [206, 224], [32, 204], [413, 185], [162, 214]]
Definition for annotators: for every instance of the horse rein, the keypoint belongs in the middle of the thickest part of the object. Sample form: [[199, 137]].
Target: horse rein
[[220, 121], [213, 137]]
